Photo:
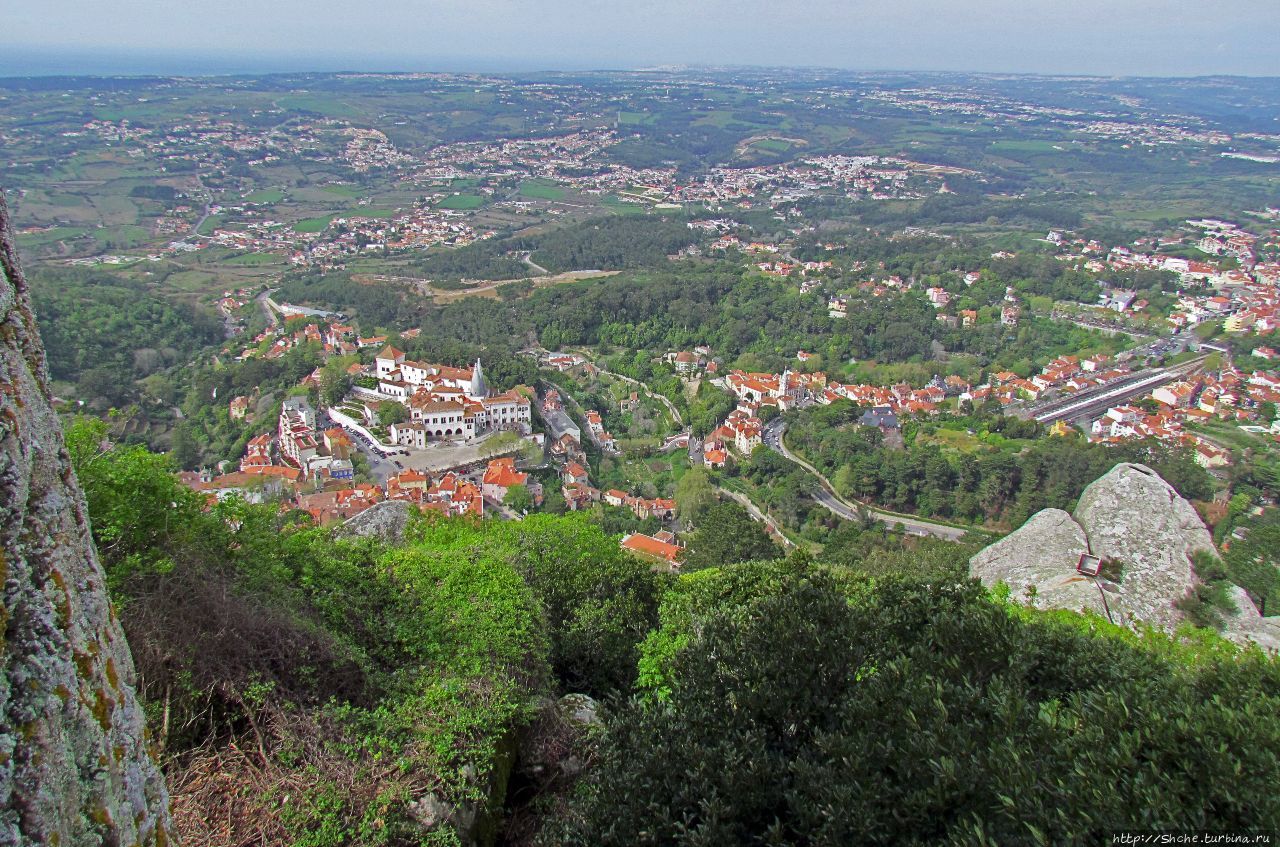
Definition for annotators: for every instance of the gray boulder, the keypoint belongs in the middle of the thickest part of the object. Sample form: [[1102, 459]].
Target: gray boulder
[[1038, 563], [1132, 515], [1247, 626], [1145, 532], [386, 521]]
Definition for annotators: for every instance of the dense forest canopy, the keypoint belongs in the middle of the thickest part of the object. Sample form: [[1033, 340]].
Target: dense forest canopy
[[1004, 485], [104, 331], [788, 704]]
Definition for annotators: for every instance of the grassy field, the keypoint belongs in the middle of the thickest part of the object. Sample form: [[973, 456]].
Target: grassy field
[[115, 209], [772, 145], [1232, 436], [254, 259], [52, 236], [320, 105], [265, 195], [614, 204], [117, 237], [370, 213], [191, 282], [1029, 146], [962, 441], [313, 224], [541, 190], [635, 118], [462, 202], [210, 224], [343, 190]]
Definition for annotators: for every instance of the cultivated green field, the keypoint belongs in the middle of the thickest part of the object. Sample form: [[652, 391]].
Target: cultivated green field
[[541, 190], [462, 202], [313, 224], [265, 196]]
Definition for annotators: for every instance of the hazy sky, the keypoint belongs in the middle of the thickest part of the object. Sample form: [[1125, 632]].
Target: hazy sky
[[1157, 37]]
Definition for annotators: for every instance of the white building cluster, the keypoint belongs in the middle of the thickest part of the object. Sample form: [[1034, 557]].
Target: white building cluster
[[445, 402]]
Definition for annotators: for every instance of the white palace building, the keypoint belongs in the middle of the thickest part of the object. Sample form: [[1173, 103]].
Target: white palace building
[[445, 402]]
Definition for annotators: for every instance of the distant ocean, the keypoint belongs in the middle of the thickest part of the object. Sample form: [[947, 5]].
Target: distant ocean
[[23, 61]]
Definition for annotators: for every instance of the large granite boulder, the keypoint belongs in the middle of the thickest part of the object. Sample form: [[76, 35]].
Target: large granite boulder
[[1247, 625], [1038, 563], [385, 521], [75, 764], [1145, 534], [1133, 516]]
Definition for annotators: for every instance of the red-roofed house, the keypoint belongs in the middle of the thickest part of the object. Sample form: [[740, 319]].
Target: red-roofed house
[[648, 546], [501, 475]]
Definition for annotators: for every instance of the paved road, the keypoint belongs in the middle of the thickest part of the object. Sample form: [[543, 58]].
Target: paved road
[[754, 511], [380, 467], [272, 317], [827, 497], [526, 256]]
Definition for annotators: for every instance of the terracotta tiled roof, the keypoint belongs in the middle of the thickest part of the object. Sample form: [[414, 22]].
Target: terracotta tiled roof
[[650, 546]]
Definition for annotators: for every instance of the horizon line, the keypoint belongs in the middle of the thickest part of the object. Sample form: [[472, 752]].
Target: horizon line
[[450, 67]]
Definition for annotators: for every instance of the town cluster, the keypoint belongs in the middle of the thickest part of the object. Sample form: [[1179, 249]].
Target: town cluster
[[1092, 125], [1230, 394], [444, 402], [1246, 297], [304, 453]]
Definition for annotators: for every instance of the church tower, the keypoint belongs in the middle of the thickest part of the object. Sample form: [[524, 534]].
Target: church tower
[[478, 386]]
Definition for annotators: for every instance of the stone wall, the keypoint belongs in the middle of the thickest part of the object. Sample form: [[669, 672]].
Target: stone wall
[[75, 768]]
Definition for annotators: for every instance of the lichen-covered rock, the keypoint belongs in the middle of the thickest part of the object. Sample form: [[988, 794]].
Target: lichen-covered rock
[[1247, 625], [1133, 520], [386, 521], [1038, 563], [75, 768], [560, 738], [581, 709], [1132, 515]]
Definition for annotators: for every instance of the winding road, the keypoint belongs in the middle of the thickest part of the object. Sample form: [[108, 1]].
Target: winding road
[[826, 495], [526, 256], [754, 511], [272, 318]]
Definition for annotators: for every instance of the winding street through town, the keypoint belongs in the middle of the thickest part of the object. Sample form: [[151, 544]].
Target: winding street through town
[[826, 494]]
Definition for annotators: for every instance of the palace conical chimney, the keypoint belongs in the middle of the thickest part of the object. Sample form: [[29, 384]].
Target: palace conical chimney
[[479, 388]]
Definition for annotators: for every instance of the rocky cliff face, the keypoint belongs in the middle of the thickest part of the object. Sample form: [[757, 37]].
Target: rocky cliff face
[[1133, 516], [1138, 522], [75, 768], [1038, 562]]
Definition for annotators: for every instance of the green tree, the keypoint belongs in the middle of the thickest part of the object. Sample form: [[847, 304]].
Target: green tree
[[391, 412], [1254, 562], [727, 534], [141, 514], [694, 496], [186, 453], [334, 385], [782, 704], [597, 601], [518, 499]]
